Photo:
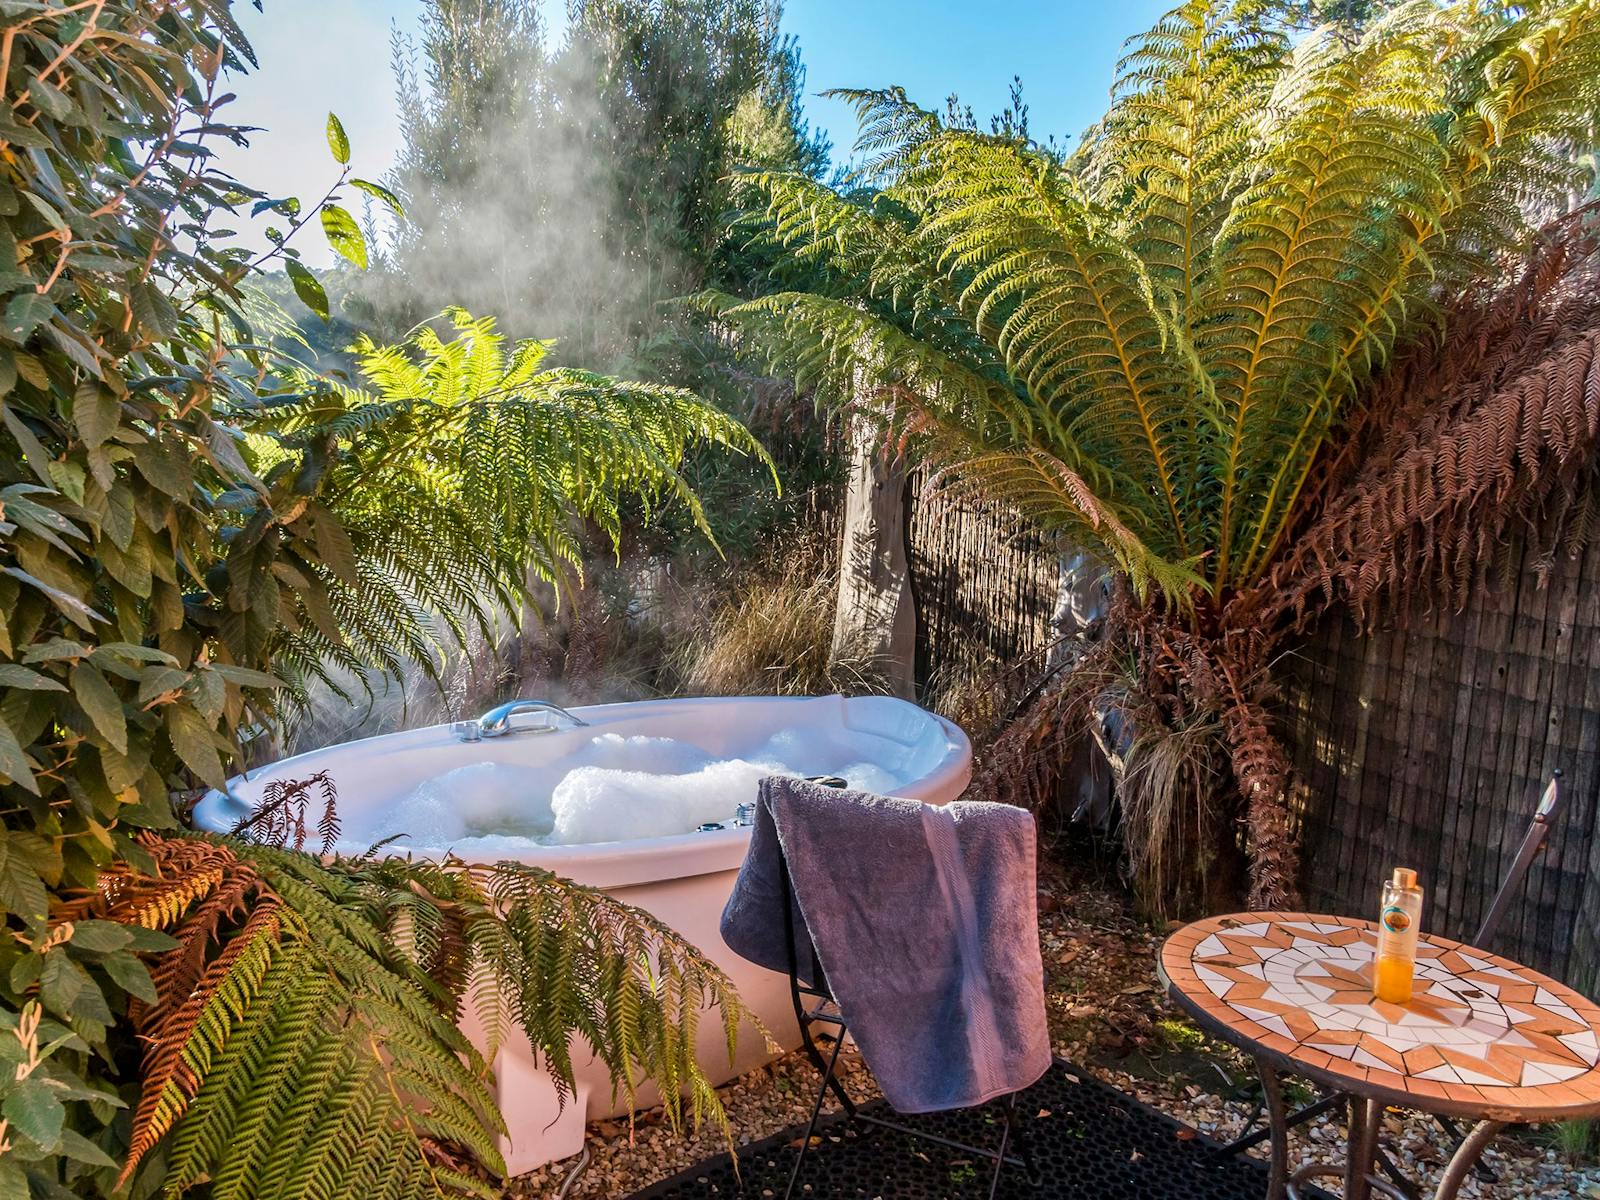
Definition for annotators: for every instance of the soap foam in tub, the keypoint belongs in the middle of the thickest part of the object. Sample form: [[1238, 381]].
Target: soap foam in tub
[[612, 788]]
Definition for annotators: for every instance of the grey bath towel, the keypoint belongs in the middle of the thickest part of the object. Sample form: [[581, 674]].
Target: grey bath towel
[[924, 920]]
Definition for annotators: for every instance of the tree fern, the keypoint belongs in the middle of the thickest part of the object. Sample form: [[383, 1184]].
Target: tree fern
[[458, 468], [1182, 311], [1147, 347]]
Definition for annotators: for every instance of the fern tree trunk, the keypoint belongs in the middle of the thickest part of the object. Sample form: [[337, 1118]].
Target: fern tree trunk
[[1216, 664], [1202, 778]]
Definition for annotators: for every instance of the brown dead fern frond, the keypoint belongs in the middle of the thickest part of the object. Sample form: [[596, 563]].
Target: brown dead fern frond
[[279, 820], [221, 917], [1466, 446]]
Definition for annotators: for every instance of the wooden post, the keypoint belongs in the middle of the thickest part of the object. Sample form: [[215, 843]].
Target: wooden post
[[875, 618]]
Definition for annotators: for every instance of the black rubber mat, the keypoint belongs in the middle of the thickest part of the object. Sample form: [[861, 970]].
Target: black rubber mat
[[1088, 1141]]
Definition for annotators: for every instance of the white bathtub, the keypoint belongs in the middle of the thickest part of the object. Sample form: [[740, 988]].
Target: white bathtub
[[684, 879]]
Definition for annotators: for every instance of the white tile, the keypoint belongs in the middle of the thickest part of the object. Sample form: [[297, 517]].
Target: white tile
[[1583, 1044], [1362, 1058], [1470, 1076], [1534, 1074]]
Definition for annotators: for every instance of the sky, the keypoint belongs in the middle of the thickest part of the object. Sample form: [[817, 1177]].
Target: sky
[[319, 56]]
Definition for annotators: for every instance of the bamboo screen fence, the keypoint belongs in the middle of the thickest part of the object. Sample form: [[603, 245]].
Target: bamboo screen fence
[[1428, 746], [1425, 746], [984, 585]]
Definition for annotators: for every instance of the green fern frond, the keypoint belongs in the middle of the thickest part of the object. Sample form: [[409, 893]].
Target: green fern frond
[[317, 1053], [461, 468]]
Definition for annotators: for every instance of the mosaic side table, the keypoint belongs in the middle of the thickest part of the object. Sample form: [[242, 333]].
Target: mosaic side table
[[1482, 1038]]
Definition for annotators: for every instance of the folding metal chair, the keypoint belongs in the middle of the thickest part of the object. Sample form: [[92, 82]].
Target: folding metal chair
[[1533, 842], [826, 1012]]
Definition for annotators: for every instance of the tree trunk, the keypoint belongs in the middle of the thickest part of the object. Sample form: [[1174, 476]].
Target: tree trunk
[[875, 619]]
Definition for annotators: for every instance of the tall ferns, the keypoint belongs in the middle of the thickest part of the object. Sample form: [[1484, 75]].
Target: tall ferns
[[1151, 345], [458, 470]]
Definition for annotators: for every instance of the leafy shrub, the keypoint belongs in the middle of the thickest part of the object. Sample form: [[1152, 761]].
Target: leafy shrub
[[183, 520]]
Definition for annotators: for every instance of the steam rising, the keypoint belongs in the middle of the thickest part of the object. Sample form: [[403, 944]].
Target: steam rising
[[550, 187]]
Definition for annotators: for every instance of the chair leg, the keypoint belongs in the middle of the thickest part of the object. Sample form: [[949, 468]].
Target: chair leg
[[816, 1112], [1254, 1138], [830, 1079], [1006, 1126], [1019, 1137]]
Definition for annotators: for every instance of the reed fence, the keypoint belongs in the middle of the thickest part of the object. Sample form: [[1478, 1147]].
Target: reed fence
[[984, 585]]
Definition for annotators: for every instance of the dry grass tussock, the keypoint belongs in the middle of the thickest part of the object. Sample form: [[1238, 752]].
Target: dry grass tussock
[[772, 635]]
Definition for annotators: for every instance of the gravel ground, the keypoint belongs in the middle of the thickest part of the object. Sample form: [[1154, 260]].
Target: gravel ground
[[1108, 1014]]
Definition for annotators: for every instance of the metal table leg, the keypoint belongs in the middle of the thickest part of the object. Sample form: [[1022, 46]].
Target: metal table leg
[[1362, 1147], [1278, 1125], [1466, 1157]]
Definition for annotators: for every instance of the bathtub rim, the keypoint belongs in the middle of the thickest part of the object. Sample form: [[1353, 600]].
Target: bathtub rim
[[639, 860]]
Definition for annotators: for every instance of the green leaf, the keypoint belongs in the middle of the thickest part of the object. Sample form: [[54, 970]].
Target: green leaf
[[68, 990], [337, 141], [13, 1181], [245, 677], [157, 681], [54, 650], [34, 1112], [194, 742], [50, 100], [129, 974], [164, 465], [378, 192], [14, 676], [333, 544], [100, 701], [32, 449], [75, 608], [80, 1149], [14, 765], [230, 29], [152, 941], [46, 522], [307, 287], [23, 975], [49, 213], [68, 477], [25, 313], [22, 886], [153, 309], [101, 937], [344, 235], [131, 650]]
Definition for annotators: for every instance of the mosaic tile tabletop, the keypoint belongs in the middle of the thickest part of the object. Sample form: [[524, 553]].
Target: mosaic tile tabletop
[[1481, 1035]]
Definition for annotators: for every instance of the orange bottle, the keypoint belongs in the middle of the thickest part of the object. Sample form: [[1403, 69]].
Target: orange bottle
[[1394, 972]]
